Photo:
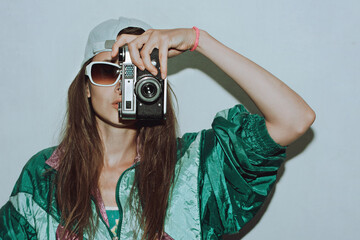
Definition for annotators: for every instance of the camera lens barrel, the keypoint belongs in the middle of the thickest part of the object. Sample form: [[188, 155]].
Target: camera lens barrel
[[148, 89]]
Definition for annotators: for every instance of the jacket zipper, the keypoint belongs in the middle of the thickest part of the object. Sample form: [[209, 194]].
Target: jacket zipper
[[101, 218], [117, 196]]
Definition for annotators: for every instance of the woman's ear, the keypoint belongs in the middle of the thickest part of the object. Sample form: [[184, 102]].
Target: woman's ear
[[88, 90]]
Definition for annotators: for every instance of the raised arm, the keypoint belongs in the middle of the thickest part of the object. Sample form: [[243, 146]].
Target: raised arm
[[286, 114]]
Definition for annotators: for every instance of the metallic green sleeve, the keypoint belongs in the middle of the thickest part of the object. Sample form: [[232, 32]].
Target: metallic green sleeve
[[13, 225], [27, 213], [238, 167]]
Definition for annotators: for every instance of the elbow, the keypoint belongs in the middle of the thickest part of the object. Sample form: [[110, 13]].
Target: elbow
[[292, 129], [305, 123]]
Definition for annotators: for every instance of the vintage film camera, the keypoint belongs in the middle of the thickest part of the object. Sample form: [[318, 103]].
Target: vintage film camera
[[143, 94]]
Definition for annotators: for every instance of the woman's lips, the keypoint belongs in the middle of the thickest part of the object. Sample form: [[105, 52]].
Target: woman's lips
[[115, 104]]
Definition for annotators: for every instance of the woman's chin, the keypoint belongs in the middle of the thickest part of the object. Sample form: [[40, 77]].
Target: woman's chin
[[126, 123], [118, 123]]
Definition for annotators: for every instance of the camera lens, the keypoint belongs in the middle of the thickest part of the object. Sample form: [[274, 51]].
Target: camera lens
[[148, 89]]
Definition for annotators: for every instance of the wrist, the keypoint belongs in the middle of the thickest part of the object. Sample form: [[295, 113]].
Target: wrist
[[204, 40], [197, 38]]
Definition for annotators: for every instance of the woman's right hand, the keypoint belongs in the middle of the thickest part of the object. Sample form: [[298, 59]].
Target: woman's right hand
[[170, 42]]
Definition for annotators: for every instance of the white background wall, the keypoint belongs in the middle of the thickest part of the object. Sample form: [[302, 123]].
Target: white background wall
[[313, 46]]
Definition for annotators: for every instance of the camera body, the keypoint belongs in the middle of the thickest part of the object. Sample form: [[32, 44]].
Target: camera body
[[143, 94]]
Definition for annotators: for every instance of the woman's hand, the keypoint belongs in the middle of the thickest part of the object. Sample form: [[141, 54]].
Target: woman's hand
[[170, 42]]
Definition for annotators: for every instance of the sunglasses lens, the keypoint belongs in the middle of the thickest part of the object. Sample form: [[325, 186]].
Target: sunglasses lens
[[104, 74]]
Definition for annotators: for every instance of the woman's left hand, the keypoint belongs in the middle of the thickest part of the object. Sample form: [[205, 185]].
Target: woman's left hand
[[170, 42]]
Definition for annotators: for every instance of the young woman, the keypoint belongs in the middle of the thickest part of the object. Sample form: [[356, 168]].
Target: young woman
[[128, 179]]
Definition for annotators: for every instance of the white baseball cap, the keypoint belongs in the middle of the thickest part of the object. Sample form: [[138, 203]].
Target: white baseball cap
[[103, 36]]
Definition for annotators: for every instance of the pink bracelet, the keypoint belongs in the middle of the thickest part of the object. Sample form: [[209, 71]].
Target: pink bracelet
[[196, 40]]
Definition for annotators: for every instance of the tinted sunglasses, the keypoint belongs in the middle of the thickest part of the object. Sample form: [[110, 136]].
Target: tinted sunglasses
[[103, 73]]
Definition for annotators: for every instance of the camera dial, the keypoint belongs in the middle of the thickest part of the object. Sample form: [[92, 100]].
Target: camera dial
[[122, 54]]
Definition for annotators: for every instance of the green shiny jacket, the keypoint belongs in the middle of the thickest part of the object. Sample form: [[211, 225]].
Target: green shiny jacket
[[223, 176]]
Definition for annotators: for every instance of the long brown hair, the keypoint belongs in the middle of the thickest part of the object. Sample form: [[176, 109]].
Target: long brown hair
[[81, 163]]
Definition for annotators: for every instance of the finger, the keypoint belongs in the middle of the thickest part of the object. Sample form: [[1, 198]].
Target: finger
[[121, 41], [145, 56], [163, 57], [134, 47], [174, 52]]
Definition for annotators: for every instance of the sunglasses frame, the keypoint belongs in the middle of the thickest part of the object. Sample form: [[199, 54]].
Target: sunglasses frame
[[88, 73]]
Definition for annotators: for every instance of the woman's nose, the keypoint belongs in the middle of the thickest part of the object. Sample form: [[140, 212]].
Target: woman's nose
[[118, 87]]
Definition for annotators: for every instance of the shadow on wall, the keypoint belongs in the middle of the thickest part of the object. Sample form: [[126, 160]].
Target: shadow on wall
[[198, 61]]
